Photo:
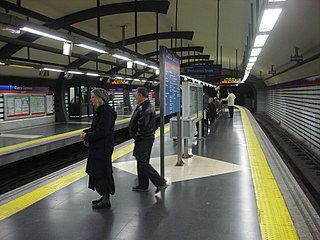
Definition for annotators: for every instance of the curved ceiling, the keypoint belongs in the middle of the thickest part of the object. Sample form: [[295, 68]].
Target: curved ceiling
[[188, 26]]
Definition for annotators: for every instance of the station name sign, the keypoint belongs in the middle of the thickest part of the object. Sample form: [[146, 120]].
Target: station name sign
[[202, 70]]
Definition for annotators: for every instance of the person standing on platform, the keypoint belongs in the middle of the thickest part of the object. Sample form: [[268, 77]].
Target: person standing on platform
[[211, 111], [99, 139], [142, 128], [231, 97]]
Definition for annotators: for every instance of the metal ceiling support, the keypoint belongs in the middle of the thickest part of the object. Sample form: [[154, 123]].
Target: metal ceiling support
[[200, 62], [8, 50], [218, 12], [188, 35], [202, 56], [116, 8], [179, 49]]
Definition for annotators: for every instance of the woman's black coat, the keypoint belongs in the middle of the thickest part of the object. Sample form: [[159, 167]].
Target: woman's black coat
[[100, 140]]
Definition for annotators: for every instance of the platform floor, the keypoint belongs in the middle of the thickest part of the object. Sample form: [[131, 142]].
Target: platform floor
[[16, 136], [212, 196]]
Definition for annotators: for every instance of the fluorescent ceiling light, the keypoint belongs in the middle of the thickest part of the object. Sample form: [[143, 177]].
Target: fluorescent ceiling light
[[93, 74], [91, 48], [250, 64], [140, 63], [269, 19], [260, 40], [255, 52], [75, 72], [121, 57], [157, 71], [129, 64], [31, 30], [21, 66], [277, 0], [253, 59], [1, 63], [53, 69], [67, 47], [153, 67]]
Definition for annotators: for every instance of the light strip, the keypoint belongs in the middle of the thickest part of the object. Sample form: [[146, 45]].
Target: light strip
[[153, 67], [21, 66], [255, 52], [53, 69], [260, 40], [269, 19], [140, 63], [253, 59], [91, 48], [75, 72], [1, 63], [93, 74], [121, 57], [31, 30]]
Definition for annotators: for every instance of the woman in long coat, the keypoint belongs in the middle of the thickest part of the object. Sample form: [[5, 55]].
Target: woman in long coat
[[99, 138]]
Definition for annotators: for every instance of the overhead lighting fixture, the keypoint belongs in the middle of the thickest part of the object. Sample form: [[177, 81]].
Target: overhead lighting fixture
[[121, 57], [93, 74], [255, 52], [250, 64], [269, 19], [1, 63], [53, 69], [44, 34], [277, 0], [153, 67], [67, 47], [140, 63], [10, 29], [260, 40], [21, 66], [157, 71], [92, 48], [253, 59], [75, 72], [129, 64]]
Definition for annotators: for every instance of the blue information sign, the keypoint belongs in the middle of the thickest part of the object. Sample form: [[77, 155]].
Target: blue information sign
[[171, 82]]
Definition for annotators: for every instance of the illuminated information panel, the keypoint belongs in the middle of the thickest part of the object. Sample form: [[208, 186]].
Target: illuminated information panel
[[171, 73]]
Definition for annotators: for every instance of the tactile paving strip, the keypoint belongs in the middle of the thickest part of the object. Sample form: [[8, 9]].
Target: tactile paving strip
[[274, 218]]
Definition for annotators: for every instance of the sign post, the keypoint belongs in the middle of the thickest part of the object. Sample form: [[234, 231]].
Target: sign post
[[169, 96]]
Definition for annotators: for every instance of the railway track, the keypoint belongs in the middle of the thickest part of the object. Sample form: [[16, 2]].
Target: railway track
[[302, 162]]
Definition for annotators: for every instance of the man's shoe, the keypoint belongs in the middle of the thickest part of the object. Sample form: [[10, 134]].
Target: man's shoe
[[101, 204], [139, 189], [161, 187], [97, 201]]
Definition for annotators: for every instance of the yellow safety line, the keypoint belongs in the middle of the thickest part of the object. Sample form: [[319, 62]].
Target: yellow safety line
[[274, 218], [20, 203], [41, 140]]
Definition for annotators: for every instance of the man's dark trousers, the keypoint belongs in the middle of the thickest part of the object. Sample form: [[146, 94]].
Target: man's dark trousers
[[142, 152]]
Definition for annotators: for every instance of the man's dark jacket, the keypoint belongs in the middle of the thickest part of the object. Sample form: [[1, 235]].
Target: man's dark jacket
[[143, 121], [100, 140]]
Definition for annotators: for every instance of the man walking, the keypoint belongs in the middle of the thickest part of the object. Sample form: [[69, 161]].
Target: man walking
[[141, 128], [231, 97]]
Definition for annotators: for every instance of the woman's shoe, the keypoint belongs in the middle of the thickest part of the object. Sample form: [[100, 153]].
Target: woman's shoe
[[97, 201], [101, 204]]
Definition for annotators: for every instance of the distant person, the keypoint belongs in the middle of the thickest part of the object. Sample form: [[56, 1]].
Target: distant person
[[99, 139], [211, 111], [142, 128], [217, 104], [230, 98], [205, 103]]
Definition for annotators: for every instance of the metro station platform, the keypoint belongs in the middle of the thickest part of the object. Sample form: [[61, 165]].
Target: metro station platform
[[26, 142], [234, 187]]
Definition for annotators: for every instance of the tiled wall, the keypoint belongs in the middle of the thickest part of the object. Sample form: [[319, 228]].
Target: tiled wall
[[297, 109]]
